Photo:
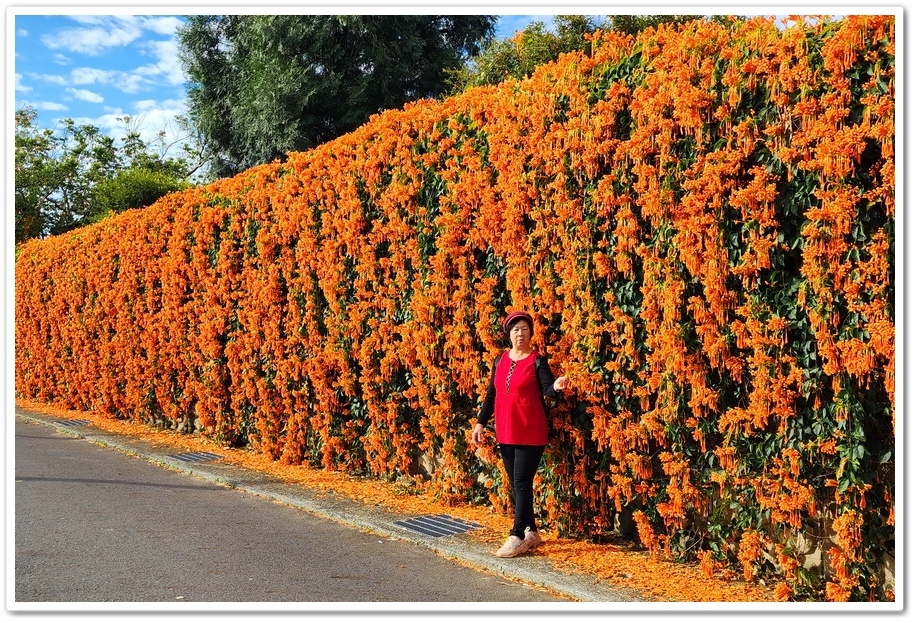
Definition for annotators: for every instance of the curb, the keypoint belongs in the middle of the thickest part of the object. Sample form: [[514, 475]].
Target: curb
[[532, 570]]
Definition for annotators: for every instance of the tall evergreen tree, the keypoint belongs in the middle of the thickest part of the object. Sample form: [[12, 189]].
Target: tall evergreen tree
[[265, 85]]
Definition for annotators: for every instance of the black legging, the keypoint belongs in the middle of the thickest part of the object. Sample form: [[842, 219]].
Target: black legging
[[521, 465]]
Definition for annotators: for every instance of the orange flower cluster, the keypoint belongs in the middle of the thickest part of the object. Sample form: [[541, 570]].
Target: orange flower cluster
[[699, 218], [848, 529], [750, 549], [781, 493]]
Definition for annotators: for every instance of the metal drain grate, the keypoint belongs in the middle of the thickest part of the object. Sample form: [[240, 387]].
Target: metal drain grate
[[195, 457], [437, 525], [72, 422]]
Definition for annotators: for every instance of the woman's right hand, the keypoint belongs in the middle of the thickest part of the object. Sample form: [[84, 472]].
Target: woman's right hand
[[477, 435]]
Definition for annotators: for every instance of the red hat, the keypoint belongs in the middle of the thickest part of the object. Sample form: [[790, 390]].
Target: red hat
[[515, 316]]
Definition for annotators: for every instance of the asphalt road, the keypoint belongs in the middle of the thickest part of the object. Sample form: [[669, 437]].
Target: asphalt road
[[96, 525]]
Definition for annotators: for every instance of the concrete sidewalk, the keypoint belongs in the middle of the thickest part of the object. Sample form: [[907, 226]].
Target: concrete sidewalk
[[462, 547]]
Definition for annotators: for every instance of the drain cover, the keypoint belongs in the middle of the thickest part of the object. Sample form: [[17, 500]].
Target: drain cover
[[437, 525], [72, 422], [195, 457]]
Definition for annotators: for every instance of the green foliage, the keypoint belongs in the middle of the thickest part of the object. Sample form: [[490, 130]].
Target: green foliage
[[536, 45], [55, 173], [633, 24], [519, 55], [34, 177], [62, 176], [132, 188], [265, 85]]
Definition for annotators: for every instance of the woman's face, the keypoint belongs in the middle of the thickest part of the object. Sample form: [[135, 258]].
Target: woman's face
[[520, 335]]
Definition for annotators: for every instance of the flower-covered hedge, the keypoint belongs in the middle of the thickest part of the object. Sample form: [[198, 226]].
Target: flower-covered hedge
[[700, 219]]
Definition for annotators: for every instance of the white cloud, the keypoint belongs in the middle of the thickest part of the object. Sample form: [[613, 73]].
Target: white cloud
[[22, 32], [162, 25], [92, 20], [106, 32], [86, 96], [145, 105], [126, 82], [86, 76], [50, 78], [47, 105], [21, 88], [61, 59], [168, 66], [148, 118], [111, 123], [130, 83], [155, 115], [91, 75]]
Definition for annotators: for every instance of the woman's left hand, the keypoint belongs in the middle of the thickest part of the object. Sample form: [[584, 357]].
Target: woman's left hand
[[477, 435], [561, 382]]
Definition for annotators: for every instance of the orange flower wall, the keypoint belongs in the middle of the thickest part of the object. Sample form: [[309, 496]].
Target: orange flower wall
[[700, 219]]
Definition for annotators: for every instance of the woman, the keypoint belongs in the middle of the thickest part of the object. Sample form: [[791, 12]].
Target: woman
[[518, 383]]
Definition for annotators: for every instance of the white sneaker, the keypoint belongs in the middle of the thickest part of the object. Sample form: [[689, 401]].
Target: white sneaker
[[512, 547], [532, 538]]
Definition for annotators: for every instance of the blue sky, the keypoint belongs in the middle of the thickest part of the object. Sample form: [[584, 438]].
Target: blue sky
[[97, 69]]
